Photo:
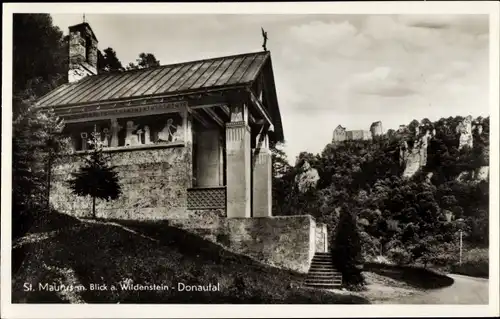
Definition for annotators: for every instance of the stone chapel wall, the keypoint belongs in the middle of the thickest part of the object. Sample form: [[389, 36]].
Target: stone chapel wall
[[154, 184], [281, 241]]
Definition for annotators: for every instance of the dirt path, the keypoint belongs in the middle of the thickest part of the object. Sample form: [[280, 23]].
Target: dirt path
[[381, 289], [465, 290]]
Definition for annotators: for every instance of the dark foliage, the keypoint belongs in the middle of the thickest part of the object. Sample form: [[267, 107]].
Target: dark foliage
[[108, 61], [145, 60], [40, 56], [346, 250], [40, 64]]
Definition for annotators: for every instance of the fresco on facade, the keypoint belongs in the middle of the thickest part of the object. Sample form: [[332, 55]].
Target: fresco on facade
[[129, 132]]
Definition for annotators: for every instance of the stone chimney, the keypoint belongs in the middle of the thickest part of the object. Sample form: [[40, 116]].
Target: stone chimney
[[82, 52]]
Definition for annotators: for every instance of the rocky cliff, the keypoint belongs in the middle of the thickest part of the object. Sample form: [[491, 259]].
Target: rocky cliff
[[413, 153], [307, 179]]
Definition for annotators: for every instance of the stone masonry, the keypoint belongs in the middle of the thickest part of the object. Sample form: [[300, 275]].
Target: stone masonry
[[154, 183], [282, 241]]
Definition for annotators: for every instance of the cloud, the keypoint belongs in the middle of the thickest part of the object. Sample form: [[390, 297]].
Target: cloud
[[427, 21], [381, 81], [459, 68], [388, 30], [330, 37], [470, 23]]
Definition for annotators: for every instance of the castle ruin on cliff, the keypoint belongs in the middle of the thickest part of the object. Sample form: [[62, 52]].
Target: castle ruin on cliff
[[341, 134]]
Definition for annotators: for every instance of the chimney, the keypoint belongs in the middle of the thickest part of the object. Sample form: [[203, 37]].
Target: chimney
[[82, 52]]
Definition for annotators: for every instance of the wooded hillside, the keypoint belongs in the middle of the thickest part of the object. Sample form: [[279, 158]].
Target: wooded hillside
[[409, 220]]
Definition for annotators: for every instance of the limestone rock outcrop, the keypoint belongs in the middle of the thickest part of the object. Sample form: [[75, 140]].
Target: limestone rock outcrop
[[414, 157], [481, 174], [308, 179], [465, 131], [477, 175]]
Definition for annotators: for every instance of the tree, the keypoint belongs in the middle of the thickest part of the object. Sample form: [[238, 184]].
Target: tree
[[145, 60], [96, 178], [39, 64], [40, 58], [282, 180], [109, 62], [36, 143], [279, 159], [346, 249]]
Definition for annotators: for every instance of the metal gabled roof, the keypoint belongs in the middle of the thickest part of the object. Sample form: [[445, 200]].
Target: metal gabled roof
[[163, 80]]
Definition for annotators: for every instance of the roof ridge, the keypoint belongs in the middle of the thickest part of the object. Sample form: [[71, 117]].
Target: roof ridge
[[184, 63]]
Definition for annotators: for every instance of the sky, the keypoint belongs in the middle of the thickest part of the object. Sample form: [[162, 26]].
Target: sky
[[329, 69]]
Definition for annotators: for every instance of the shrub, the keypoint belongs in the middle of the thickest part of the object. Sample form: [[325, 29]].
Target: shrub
[[370, 246], [399, 256]]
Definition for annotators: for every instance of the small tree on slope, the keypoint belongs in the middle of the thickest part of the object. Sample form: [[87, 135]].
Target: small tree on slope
[[96, 178], [346, 250]]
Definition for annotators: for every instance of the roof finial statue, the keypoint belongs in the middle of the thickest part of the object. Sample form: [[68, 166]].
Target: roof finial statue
[[84, 18], [264, 34]]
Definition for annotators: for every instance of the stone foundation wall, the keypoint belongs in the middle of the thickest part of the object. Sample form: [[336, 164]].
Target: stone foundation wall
[[321, 238], [154, 183], [281, 241]]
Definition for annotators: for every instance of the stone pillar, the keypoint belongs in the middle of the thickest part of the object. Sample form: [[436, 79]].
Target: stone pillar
[[187, 126], [238, 163], [262, 179], [208, 162]]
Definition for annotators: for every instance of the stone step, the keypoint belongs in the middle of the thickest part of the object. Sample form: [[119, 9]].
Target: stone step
[[319, 261], [323, 255], [324, 275], [335, 278], [324, 281], [322, 262], [320, 267], [324, 286], [322, 259]]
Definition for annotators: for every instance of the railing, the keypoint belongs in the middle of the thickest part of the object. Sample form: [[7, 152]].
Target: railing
[[206, 197]]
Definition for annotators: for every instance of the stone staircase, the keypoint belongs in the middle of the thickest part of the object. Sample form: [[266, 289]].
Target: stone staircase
[[322, 274]]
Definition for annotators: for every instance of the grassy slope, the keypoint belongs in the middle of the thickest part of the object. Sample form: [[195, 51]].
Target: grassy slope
[[85, 253]]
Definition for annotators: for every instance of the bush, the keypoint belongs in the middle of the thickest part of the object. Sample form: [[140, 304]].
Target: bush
[[399, 256], [370, 246]]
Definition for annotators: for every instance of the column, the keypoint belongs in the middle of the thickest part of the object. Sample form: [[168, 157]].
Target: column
[[188, 145], [208, 162], [238, 162], [262, 178]]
